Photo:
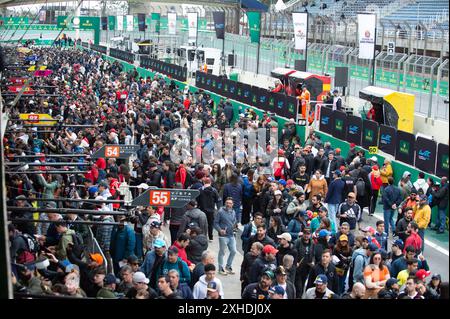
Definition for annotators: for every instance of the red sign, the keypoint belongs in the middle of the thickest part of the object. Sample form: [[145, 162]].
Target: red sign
[[159, 198], [112, 151], [33, 118], [43, 73], [18, 88], [17, 80]]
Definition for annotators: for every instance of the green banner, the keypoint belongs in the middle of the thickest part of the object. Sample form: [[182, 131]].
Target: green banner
[[111, 23], [84, 23], [157, 18], [183, 24], [254, 23]]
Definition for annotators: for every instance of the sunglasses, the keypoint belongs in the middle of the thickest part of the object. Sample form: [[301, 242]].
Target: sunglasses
[[351, 197]]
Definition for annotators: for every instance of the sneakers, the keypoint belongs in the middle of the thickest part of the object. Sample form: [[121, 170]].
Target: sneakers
[[229, 270], [223, 272]]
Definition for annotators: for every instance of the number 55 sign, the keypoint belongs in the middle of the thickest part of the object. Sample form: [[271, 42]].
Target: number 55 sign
[[175, 198]]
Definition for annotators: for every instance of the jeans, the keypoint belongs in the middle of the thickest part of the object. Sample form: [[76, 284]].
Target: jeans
[[173, 232], [229, 242], [139, 249], [341, 283], [332, 210], [442, 219], [421, 233], [389, 220], [238, 212]]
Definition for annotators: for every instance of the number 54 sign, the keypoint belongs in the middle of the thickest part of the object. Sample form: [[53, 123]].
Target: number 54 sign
[[116, 151]]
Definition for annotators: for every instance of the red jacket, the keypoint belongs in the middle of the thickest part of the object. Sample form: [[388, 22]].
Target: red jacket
[[182, 253], [180, 175], [376, 182], [415, 241]]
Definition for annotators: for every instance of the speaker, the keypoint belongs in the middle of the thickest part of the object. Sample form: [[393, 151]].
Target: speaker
[[191, 55], [104, 21], [200, 56], [300, 65], [341, 76], [231, 59]]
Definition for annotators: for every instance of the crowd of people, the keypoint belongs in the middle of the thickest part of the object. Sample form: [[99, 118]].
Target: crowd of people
[[301, 226]]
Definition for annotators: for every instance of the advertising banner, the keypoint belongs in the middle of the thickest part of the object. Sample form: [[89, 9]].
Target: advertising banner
[[387, 140], [405, 147], [354, 129], [130, 22], [339, 124], [442, 160], [369, 133], [192, 26], [119, 23], [366, 34], [254, 24], [157, 18], [141, 22], [172, 23], [426, 155], [104, 22], [111, 23], [219, 24], [300, 20], [326, 120]]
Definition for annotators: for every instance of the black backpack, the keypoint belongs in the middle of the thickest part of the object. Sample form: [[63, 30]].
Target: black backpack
[[32, 243], [78, 245], [360, 187]]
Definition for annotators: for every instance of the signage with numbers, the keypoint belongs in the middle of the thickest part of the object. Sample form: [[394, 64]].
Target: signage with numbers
[[373, 149], [391, 48], [116, 151], [37, 119], [175, 198]]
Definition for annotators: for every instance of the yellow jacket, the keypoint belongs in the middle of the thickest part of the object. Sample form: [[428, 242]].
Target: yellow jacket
[[422, 216], [386, 172]]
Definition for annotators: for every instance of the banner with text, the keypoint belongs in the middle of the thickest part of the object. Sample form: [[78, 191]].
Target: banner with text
[[157, 18], [370, 134], [254, 24], [119, 23], [442, 160], [219, 24], [354, 129], [300, 20], [405, 147], [387, 139], [111, 23], [426, 155], [192, 27], [366, 34], [172, 23]]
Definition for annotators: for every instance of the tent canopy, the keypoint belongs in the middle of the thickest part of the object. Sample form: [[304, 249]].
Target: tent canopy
[[282, 72], [254, 5], [300, 75]]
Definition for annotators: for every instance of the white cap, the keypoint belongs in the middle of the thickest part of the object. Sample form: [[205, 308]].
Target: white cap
[[374, 159], [278, 192], [140, 277]]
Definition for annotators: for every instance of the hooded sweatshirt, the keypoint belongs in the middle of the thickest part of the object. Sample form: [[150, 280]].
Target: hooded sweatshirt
[[200, 288], [194, 215], [359, 260]]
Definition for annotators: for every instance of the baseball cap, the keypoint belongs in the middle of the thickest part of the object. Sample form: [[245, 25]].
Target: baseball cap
[[158, 243], [277, 290], [155, 224], [369, 229], [436, 276], [282, 182], [321, 279], [93, 189], [110, 279], [172, 250], [338, 172], [286, 236], [399, 243], [139, 277], [423, 197], [390, 282], [269, 249], [372, 247], [269, 273], [278, 192], [324, 233], [421, 274], [280, 271], [374, 159], [352, 145], [343, 237], [307, 230], [97, 258], [212, 286]]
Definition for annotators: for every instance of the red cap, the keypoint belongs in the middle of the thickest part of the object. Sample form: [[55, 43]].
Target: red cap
[[280, 152], [342, 168], [269, 249], [375, 167], [112, 130], [421, 274], [352, 145]]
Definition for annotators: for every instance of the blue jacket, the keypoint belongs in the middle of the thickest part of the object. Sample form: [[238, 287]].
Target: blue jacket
[[382, 239], [400, 264], [234, 191], [391, 196], [335, 190], [294, 227], [185, 291], [225, 219], [246, 234], [359, 261], [249, 190], [148, 263], [123, 242]]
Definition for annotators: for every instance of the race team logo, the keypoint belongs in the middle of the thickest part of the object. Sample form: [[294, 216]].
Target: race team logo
[[424, 155], [404, 147], [367, 34]]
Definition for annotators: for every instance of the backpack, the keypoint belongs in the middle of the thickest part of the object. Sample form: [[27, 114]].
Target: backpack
[[32, 243], [360, 187], [78, 245]]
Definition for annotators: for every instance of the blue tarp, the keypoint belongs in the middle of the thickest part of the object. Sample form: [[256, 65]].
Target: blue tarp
[[254, 5]]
